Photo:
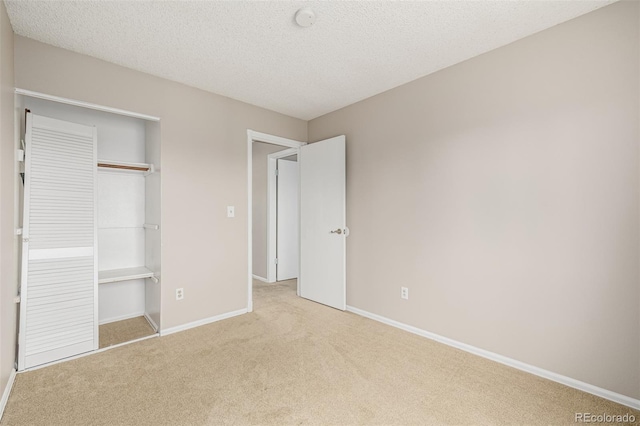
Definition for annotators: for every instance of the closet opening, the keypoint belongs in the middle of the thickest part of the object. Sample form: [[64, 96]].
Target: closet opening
[[101, 206]]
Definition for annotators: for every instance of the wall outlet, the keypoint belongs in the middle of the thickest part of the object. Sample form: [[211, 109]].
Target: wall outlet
[[179, 293], [231, 211], [404, 293]]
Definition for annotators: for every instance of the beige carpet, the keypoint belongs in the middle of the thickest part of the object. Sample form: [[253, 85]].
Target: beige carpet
[[124, 331], [291, 361]]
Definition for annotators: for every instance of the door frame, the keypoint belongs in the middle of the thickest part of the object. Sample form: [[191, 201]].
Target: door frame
[[254, 136], [272, 210]]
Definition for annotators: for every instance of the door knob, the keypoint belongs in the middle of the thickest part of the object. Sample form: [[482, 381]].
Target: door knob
[[337, 231]]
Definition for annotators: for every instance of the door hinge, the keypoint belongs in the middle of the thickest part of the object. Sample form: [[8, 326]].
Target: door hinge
[[16, 299], [276, 172], [276, 262], [20, 155], [19, 231]]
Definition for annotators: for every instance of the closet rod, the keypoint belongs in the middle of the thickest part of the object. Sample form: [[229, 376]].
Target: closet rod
[[123, 167]]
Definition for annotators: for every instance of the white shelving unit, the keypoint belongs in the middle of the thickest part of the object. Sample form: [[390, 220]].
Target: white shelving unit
[[128, 223]]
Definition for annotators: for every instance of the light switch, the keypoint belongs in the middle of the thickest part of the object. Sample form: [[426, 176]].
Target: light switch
[[231, 211]]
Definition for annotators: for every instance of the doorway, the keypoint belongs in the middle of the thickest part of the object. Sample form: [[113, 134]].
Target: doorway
[[273, 246], [275, 212], [322, 229]]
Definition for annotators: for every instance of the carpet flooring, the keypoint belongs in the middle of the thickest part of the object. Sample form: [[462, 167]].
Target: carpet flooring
[[117, 332], [290, 362]]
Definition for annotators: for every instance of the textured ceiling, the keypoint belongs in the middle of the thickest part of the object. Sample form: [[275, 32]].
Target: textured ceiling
[[254, 51]]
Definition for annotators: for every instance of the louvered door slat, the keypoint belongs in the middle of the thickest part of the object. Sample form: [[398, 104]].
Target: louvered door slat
[[59, 288]]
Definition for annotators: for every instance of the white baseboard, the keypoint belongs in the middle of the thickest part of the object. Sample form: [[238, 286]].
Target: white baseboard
[[259, 278], [567, 381], [121, 318], [151, 322], [7, 392], [205, 321]]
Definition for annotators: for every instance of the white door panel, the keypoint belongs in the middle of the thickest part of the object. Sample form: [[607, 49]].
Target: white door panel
[[287, 222], [58, 309], [323, 210]]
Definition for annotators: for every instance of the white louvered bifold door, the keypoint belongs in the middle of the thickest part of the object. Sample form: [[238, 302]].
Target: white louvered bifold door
[[58, 310]]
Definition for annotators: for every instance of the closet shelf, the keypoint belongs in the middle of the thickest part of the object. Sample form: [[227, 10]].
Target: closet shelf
[[124, 166], [115, 275]]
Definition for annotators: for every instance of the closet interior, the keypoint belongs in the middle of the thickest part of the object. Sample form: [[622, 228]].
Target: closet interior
[[127, 226]]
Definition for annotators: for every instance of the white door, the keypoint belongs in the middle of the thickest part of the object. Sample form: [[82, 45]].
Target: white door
[[287, 224], [58, 308], [323, 227]]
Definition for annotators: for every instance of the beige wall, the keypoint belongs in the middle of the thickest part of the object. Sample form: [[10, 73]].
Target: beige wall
[[503, 192], [259, 205], [8, 262], [204, 169]]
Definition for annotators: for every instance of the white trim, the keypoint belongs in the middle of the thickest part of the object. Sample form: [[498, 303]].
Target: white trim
[[151, 322], [284, 153], [83, 104], [96, 302], [272, 214], [82, 355], [546, 374], [24, 258], [253, 136], [205, 321], [250, 220], [299, 286], [272, 219], [7, 392], [259, 278], [274, 140], [140, 339], [121, 318]]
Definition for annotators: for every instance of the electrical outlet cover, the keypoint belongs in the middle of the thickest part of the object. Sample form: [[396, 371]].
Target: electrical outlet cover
[[404, 292]]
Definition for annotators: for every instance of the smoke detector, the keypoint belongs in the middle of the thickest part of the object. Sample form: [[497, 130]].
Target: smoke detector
[[305, 17]]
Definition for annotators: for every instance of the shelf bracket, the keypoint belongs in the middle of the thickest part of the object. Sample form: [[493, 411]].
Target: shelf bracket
[[152, 169]]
